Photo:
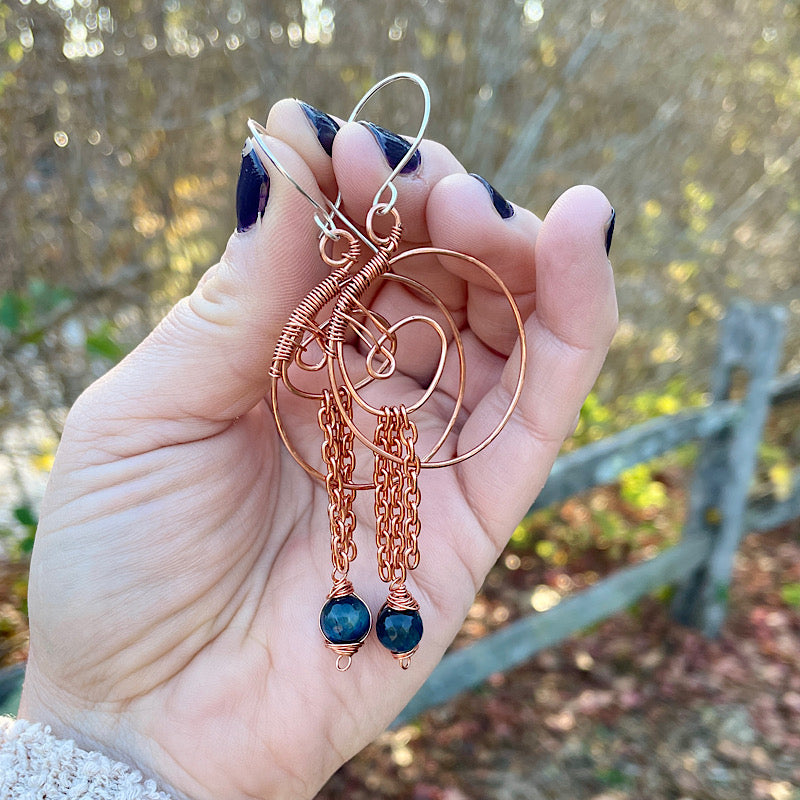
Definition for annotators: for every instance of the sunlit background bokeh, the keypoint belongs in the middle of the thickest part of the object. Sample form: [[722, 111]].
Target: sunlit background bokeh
[[122, 126]]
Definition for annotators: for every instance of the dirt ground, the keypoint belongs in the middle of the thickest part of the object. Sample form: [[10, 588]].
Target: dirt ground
[[637, 707]]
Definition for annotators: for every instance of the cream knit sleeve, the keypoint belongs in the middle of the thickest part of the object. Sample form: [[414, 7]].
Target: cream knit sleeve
[[34, 765]]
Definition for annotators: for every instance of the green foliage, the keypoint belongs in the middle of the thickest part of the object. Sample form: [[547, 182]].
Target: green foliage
[[639, 485], [790, 594], [19, 543], [613, 777], [26, 311], [641, 489], [599, 419], [12, 309], [102, 341], [641, 510], [775, 469]]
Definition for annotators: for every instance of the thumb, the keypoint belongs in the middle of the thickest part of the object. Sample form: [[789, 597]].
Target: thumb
[[207, 362]]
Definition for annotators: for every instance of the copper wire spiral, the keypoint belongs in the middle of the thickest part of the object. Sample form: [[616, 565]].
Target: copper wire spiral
[[400, 599], [302, 319], [337, 371], [357, 286]]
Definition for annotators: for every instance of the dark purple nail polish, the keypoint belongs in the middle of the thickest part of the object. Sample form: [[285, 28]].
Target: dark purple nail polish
[[252, 190], [610, 230], [394, 148], [325, 126], [502, 206]]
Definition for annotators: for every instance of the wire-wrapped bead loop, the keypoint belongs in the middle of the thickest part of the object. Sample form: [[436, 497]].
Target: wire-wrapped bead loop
[[399, 625], [345, 622]]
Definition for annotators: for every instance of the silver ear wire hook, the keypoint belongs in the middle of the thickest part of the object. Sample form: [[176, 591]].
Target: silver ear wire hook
[[389, 182], [325, 216], [326, 224], [259, 131]]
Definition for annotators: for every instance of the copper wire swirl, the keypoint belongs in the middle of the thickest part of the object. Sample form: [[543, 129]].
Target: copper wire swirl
[[302, 319], [346, 290], [400, 599], [427, 463], [357, 286]]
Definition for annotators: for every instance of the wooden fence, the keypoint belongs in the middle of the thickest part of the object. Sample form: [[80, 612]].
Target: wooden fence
[[699, 566]]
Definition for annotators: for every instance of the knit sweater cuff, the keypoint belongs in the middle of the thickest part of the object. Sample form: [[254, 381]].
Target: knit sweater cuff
[[35, 764]]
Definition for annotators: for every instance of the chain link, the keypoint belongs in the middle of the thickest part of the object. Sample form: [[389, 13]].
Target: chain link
[[337, 454], [396, 495]]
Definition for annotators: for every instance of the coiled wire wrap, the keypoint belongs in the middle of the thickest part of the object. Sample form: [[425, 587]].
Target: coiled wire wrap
[[357, 286], [302, 319]]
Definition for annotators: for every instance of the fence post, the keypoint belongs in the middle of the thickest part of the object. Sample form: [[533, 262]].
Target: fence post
[[750, 342]]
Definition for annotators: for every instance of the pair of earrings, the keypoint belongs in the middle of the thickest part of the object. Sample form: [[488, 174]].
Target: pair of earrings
[[331, 342]]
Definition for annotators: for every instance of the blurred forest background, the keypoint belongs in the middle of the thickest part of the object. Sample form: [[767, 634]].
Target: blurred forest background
[[120, 143]]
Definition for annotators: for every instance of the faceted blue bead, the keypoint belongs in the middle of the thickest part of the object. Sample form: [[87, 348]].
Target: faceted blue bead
[[344, 620], [398, 631]]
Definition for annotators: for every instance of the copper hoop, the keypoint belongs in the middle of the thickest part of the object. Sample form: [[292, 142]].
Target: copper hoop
[[459, 400], [427, 463], [338, 355]]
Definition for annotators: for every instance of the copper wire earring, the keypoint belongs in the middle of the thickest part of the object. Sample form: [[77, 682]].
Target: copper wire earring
[[322, 337]]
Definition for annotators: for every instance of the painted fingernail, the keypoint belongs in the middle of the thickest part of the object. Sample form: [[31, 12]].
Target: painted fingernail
[[610, 230], [394, 148], [502, 206], [252, 190], [325, 126]]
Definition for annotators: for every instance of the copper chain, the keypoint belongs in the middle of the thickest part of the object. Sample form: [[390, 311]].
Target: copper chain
[[337, 453], [396, 495]]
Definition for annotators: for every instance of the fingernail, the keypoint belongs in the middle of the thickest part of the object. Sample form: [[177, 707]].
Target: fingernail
[[610, 230], [252, 190], [394, 148], [502, 206], [325, 126]]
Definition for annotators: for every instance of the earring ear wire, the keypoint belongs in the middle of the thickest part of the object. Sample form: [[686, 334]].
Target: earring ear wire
[[324, 216], [385, 208], [326, 222]]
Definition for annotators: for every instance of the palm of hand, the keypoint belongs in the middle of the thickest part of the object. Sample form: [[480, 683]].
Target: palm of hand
[[183, 556], [203, 602]]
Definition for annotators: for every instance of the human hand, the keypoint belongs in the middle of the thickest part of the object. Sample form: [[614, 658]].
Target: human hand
[[183, 556]]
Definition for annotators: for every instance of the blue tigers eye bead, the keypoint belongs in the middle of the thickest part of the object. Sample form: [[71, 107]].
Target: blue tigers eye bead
[[398, 631], [345, 620]]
